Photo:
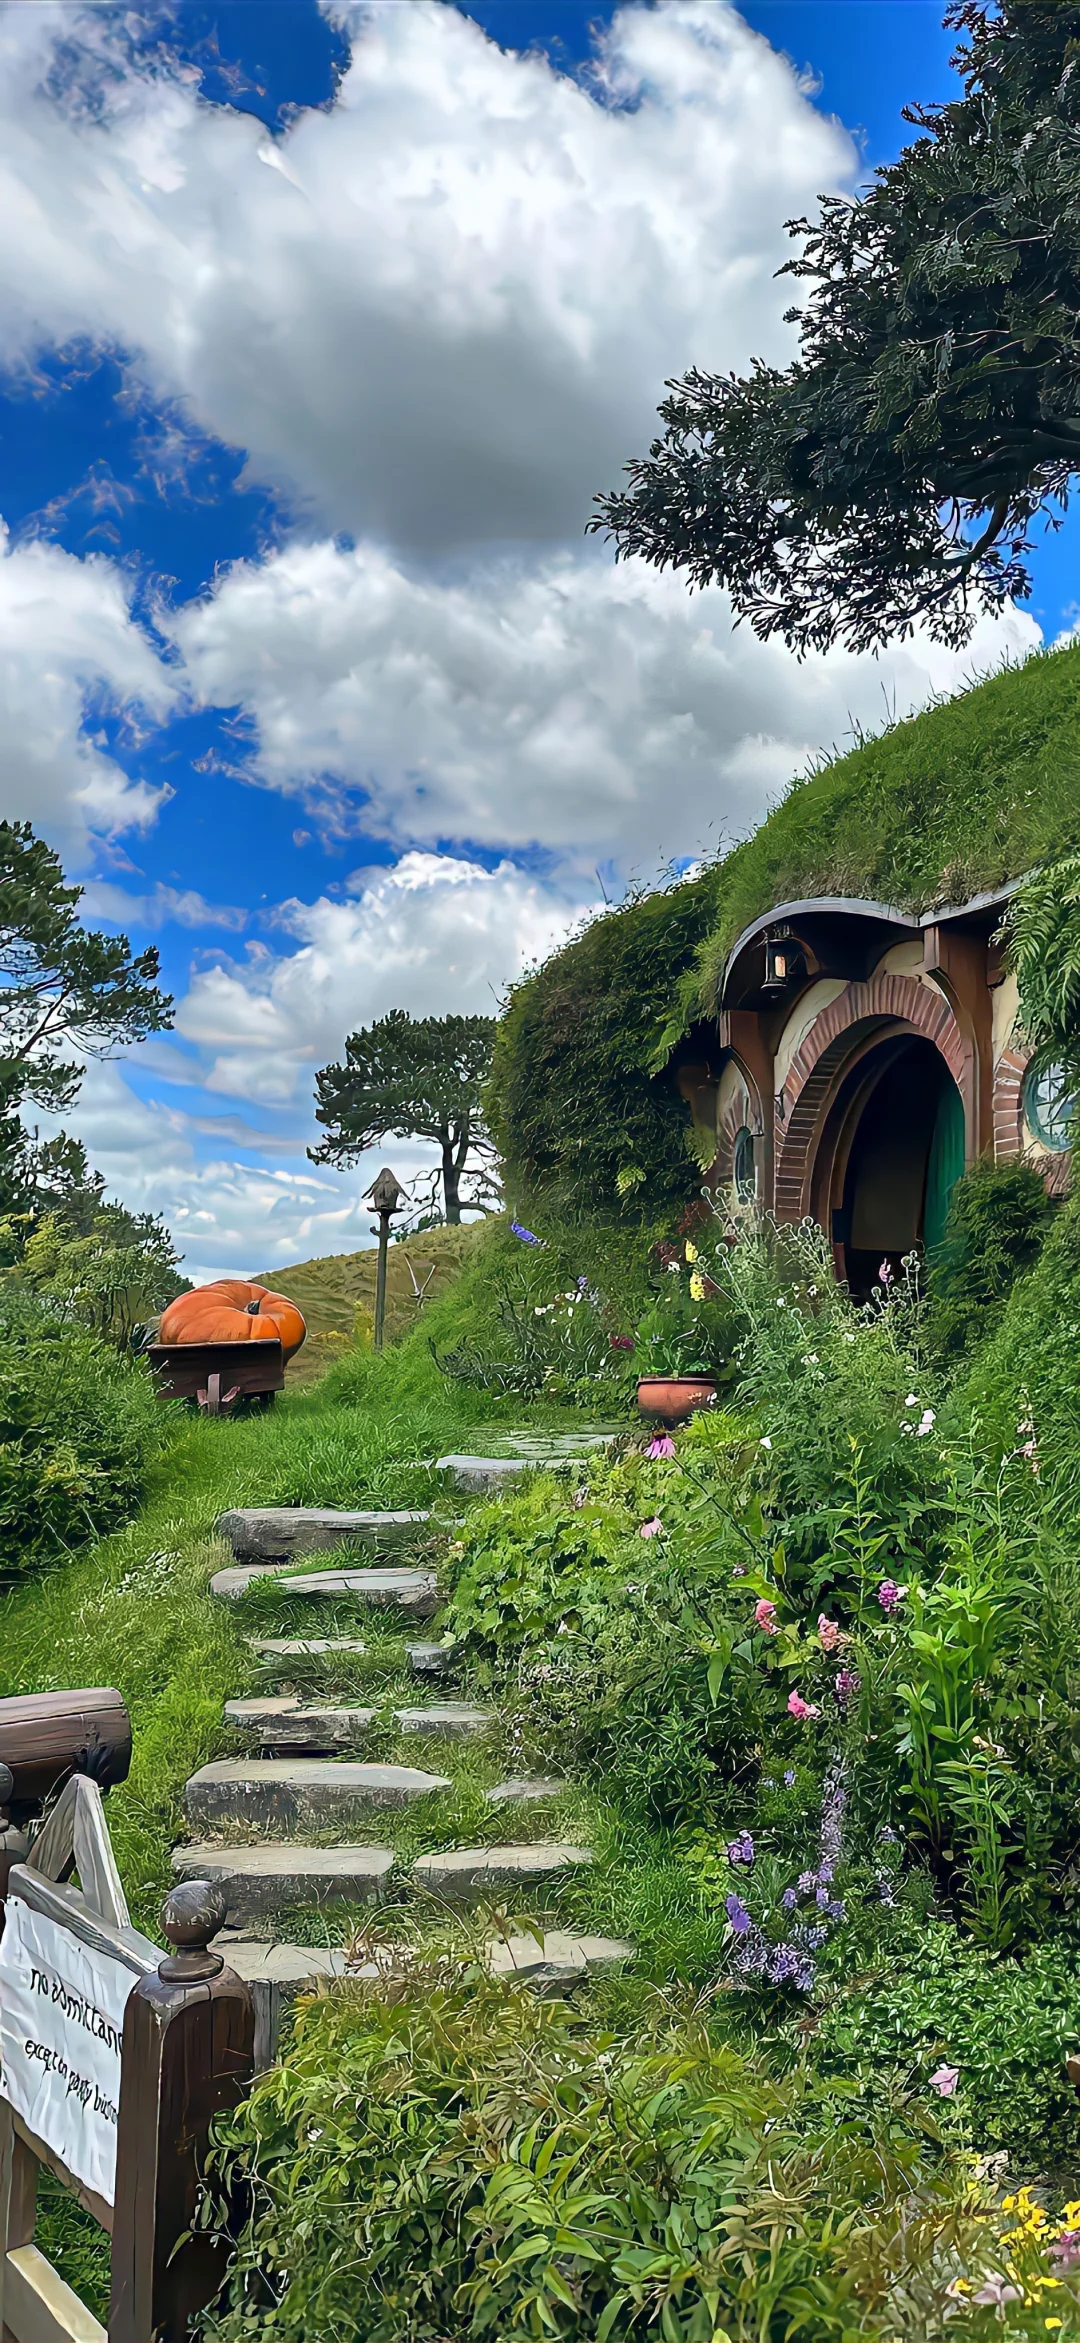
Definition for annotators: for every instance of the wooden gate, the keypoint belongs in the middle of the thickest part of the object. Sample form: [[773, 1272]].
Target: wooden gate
[[186, 2053]]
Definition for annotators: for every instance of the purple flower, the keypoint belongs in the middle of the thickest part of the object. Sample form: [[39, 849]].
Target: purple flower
[[789, 1776], [835, 1912], [889, 1595], [807, 1882], [821, 1899], [620, 1342], [738, 1915], [662, 1445], [525, 1234], [1066, 2249], [651, 1529], [847, 1684], [804, 1975], [945, 2080], [741, 1849], [790, 1898]]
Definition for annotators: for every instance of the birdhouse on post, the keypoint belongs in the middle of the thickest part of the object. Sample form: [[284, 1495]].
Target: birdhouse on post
[[384, 1195]]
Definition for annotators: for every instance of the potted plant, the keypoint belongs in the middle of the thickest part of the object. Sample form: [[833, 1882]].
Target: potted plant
[[675, 1350]]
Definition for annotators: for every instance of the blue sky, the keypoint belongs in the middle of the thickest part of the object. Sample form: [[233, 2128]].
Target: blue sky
[[318, 332]]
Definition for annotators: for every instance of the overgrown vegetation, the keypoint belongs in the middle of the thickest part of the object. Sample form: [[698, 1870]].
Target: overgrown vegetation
[[969, 795]]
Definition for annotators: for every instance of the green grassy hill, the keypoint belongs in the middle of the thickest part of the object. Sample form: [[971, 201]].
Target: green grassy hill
[[337, 1293], [971, 793]]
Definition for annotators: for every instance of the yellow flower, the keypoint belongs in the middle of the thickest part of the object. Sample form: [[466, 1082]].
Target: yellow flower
[[691, 1251], [697, 1286], [1051, 2322]]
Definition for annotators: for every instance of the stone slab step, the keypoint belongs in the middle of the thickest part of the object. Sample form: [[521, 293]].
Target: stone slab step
[[529, 1791], [548, 1447], [291, 1647], [560, 1959], [415, 1591], [477, 1473], [295, 1965], [267, 1533], [259, 1881], [276, 1793], [430, 1659], [450, 1720], [466, 1873], [285, 1722]]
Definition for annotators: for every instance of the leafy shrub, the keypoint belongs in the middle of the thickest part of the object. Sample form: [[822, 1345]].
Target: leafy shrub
[[460, 2159], [998, 1219], [78, 1428], [1025, 1385], [1008, 2025]]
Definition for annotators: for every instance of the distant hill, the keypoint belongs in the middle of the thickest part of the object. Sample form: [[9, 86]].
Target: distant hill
[[331, 1292]]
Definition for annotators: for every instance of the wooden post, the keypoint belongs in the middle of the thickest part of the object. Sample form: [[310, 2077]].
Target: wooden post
[[12, 1841], [384, 1195], [188, 2053]]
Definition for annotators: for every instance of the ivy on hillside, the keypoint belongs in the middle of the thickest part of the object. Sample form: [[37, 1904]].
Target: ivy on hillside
[[573, 1101]]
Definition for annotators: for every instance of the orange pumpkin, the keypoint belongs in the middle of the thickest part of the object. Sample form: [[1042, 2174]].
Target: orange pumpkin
[[230, 1310]]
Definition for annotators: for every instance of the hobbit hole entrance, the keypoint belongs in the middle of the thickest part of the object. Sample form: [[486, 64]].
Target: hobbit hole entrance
[[890, 1156]]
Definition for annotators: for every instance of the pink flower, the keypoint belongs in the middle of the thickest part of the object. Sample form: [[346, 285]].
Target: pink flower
[[662, 1445], [620, 1342], [829, 1634], [651, 1529], [581, 1498], [765, 1616], [944, 2082], [889, 1595], [800, 1708]]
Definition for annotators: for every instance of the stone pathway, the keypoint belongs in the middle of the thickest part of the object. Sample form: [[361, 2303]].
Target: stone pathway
[[257, 1819]]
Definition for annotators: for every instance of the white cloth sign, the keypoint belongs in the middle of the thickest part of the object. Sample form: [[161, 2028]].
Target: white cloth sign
[[61, 2026]]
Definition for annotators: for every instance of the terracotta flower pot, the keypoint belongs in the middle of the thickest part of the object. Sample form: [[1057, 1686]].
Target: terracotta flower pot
[[673, 1397]]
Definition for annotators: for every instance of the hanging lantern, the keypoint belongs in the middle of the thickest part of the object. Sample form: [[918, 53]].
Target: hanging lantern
[[782, 956]]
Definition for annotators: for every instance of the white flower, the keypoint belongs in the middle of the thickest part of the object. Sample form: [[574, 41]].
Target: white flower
[[764, 1441], [911, 1400], [811, 1359], [926, 1423]]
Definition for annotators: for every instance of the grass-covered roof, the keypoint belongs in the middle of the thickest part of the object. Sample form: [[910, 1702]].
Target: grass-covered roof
[[971, 793]]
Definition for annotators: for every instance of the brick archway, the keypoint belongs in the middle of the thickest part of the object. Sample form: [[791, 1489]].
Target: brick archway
[[731, 1120], [864, 1012]]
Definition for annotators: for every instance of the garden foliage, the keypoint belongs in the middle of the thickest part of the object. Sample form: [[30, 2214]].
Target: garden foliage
[[79, 1427]]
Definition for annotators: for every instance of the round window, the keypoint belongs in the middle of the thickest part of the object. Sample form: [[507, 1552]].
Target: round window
[[1049, 1106], [743, 1165]]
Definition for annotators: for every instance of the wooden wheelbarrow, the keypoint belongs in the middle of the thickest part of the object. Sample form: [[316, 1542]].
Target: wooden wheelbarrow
[[217, 1374]]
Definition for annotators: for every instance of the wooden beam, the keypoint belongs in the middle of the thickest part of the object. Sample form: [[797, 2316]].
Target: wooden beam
[[34, 2152], [70, 1910], [39, 2307]]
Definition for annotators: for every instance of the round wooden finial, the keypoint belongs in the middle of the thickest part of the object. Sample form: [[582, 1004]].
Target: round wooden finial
[[7, 1783], [191, 1914]]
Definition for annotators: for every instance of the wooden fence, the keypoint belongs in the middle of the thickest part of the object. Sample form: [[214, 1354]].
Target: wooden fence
[[185, 2053]]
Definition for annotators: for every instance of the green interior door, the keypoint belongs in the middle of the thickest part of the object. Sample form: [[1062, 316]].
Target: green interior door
[[945, 1164]]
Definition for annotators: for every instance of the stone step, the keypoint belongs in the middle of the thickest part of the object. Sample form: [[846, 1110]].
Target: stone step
[[415, 1591], [277, 1972], [467, 1874], [259, 1881], [561, 1958], [290, 1647], [529, 1791], [285, 1722], [445, 1720], [285, 1793], [269, 1533], [430, 1659], [556, 1453]]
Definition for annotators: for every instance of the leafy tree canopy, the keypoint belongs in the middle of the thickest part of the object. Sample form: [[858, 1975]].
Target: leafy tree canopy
[[414, 1077], [891, 474], [62, 986]]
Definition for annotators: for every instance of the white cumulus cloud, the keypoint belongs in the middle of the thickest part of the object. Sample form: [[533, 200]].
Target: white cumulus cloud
[[67, 645], [598, 711], [431, 935], [443, 310]]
